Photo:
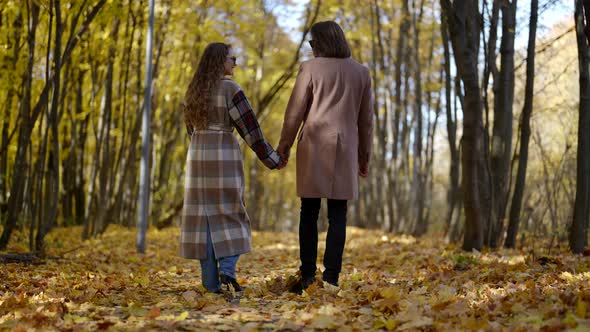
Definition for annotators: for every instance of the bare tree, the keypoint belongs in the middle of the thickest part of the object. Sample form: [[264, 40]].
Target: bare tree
[[579, 230], [463, 21], [418, 183], [502, 133], [525, 132], [52, 190], [453, 193], [144, 176]]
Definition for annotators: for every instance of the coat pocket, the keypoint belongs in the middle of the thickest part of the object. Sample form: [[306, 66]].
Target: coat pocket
[[317, 156]]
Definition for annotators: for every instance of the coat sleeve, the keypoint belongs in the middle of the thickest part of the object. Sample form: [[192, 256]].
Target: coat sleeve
[[298, 105], [365, 124], [245, 122]]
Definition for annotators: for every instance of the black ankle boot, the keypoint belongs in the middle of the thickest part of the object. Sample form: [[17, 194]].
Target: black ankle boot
[[331, 282], [227, 280], [301, 285]]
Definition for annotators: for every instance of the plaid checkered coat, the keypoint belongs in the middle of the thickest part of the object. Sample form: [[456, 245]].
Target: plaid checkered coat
[[214, 183]]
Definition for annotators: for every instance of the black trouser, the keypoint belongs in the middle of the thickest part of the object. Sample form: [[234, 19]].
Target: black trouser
[[308, 238]]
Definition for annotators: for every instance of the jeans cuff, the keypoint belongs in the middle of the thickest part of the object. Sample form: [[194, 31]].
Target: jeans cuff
[[213, 290]]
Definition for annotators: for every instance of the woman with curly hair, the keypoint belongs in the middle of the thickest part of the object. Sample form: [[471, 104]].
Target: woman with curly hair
[[215, 226]]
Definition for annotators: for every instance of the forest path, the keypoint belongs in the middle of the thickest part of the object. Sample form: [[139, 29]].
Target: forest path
[[388, 282]]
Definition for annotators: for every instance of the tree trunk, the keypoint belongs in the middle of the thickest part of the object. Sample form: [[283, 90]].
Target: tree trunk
[[418, 176], [39, 202], [144, 171], [127, 150], [502, 133], [380, 121], [420, 172], [25, 129], [462, 17], [89, 217], [395, 185], [17, 26], [53, 162], [79, 151], [490, 68], [132, 186], [404, 150], [68, 141], [525, 133], [453, 192], [579, 230], [105, 192]]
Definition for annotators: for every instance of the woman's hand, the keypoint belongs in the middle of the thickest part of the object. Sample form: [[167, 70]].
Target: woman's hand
[[364, 170]]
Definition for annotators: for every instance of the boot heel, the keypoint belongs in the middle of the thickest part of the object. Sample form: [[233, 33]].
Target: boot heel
[[227, 280]]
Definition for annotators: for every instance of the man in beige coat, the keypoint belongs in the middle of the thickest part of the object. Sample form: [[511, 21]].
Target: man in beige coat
[[333, 105]]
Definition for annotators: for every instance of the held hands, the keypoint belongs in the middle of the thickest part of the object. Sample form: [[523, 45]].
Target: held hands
[[282, 163], [283, 152]]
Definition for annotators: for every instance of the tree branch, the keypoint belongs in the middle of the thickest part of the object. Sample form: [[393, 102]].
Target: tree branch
[[72, 41], [289, 71]]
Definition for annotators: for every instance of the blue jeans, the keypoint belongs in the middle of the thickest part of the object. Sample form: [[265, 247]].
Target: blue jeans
[[210, 270]]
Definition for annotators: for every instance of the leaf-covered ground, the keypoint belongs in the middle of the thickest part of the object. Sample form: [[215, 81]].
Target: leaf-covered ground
[[388, 283]]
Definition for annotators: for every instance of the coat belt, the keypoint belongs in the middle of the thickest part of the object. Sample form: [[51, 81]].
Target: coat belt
[[217, 128]]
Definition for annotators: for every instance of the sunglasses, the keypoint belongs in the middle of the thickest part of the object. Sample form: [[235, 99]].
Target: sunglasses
[[311, 43], [234, 59]]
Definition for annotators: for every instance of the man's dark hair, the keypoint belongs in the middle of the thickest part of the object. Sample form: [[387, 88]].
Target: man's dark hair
[[329, 40]]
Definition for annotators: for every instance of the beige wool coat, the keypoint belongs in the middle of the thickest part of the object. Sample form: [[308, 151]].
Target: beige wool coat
[[331, 107]]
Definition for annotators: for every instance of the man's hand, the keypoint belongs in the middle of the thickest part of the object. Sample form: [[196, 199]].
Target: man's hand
[[364, 170], [283, 151]]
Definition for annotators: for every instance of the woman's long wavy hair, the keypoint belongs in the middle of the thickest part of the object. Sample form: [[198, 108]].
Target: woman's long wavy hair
[[197, 100]]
